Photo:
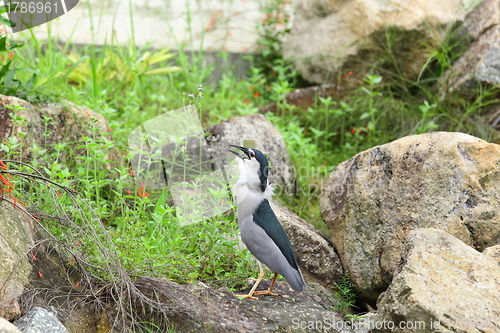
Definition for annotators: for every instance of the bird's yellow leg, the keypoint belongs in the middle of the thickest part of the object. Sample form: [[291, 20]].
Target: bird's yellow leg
[[256, 284], [270, 290]]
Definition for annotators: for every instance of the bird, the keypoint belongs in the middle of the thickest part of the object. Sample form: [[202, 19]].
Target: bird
[[260, 230]]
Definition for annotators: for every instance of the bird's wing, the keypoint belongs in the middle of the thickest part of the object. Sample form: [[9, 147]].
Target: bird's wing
[[267, 220]]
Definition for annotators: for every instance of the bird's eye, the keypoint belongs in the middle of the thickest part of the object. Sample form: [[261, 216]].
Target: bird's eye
[[252, 154]]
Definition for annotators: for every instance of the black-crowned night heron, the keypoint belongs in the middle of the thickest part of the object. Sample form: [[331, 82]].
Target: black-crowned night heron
[[260, 230]]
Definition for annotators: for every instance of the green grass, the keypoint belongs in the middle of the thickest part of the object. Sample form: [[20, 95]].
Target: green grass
[[144, 233]]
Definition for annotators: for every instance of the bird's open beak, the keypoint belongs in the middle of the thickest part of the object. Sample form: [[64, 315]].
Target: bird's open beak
[[243, 153]]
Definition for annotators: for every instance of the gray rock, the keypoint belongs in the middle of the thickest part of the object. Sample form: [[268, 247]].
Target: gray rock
[[315, 253], [39, 320], [442, 285], [7, 327], [481, 61], [201, 309], [442, 180], [267, 139], [16, 238], [68, 123], [332, 36]]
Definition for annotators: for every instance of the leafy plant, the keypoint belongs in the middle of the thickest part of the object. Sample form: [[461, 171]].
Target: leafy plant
[[9, 83], [346, 298], [118, 65]]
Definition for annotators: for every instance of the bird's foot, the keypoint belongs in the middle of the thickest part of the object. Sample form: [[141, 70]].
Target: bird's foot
[[265, 292], [247, 296]]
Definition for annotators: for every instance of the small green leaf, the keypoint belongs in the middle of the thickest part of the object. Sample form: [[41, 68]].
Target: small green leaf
[[364, 115]]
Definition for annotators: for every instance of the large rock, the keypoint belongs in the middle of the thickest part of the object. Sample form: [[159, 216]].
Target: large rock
[[46, 124], [443, 285], [481, 61], [267, 138], [327, 33], [447, 181], [197, 308], [315, 254], [16, 239], [39, 320]]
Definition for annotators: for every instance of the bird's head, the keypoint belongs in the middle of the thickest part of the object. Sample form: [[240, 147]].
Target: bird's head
[[256, 166]]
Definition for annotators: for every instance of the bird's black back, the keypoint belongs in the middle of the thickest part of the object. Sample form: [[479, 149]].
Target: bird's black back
[[267, 220]]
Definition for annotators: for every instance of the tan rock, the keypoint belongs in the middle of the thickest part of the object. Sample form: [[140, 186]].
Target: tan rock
[[8, 327], [493, 252], [443, 285], [440, 180], [16, 239], [326, 32]]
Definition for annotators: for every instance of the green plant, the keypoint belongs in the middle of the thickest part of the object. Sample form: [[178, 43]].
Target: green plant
[[118, 65], [372, 81], [450, 44], [10, 84], [346, 298], [426, 124]]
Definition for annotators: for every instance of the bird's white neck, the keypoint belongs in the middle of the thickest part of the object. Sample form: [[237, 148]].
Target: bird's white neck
[[247, 189]]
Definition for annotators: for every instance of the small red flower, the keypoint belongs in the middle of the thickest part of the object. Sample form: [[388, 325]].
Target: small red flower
[[131, 173], [40, 274], [141, 193], [246, 101], [353, 131], [6, 181], [257, 94], [33, 257], [77, 284]]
